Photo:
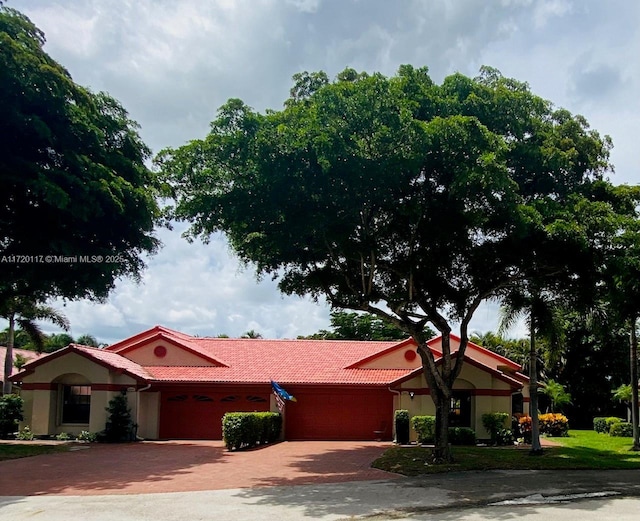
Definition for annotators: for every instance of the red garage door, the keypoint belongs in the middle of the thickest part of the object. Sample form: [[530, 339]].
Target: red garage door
[[340, 414], [197, 415]]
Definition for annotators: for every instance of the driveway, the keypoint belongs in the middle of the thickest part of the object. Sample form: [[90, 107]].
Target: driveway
[[183, 466]]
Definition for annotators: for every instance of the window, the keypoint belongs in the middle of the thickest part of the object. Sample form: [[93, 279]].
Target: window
[[76, 403], [460, 411]]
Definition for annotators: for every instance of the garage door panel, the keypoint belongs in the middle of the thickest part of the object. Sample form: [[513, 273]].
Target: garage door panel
[[198, 414], [338, 415]]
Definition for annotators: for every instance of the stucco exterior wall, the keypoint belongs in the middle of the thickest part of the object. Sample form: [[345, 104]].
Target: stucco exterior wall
[[43, 399], [149, 415], [396, 359], [175, 356]]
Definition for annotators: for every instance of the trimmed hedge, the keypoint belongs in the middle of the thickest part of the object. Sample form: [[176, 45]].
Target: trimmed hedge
[[425, 427], [242, 430], [401, 418], [496, 424], [462, 436], [603, 424], [621, 429]]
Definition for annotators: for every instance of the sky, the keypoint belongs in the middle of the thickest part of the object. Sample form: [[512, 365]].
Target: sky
[[173, 63]]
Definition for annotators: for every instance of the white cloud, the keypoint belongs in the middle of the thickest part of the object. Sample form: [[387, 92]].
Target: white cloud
[[172, 64]]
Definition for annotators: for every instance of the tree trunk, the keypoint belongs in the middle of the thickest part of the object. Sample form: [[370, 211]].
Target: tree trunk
[[8, 359], [633, 358], [442, 450], [536, 448]]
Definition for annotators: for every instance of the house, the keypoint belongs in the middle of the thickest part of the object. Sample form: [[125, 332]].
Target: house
[[179, 386]]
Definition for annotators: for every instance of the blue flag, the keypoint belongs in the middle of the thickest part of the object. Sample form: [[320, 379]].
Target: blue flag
[[282, 393]]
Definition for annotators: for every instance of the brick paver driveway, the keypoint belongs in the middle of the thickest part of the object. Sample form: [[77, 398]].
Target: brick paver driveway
[[180, 466]]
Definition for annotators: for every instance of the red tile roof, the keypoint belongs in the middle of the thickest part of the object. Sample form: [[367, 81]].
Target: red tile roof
[[29, 355], [285, 361]]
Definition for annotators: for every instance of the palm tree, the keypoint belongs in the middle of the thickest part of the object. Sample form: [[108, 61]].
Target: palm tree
[[557, 394], [25, 313], [542, 316]]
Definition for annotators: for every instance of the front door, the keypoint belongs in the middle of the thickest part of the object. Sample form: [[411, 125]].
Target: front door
[[460, 412]]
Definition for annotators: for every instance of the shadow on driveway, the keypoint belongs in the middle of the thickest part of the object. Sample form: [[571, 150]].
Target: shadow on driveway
[[181, 466]]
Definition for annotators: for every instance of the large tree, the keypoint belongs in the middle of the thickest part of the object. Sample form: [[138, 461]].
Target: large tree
[[397, 196], [77, 206], [360, 326]]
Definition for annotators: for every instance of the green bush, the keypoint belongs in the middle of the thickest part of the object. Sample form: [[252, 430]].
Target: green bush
[[621, 429], [401, 418], [425, 427], [505, 437], [10, 414], [494, 423], [63, 436], [120, 427], [247, 429], [600, 424], [87, 436], [26, 434], [610, 421], [462, 436]]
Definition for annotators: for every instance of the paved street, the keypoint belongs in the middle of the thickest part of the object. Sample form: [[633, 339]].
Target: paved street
[[465, 496]]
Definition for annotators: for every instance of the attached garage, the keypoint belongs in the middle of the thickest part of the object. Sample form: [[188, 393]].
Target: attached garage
[[196, 414], [325, 413]]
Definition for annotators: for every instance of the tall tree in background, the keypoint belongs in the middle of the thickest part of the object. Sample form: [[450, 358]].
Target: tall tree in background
[[77, 207], [26, 314], [543, 319], [360, 326], [398, 197]]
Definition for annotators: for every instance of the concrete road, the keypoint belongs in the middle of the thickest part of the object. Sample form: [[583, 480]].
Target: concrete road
[[501, 495]]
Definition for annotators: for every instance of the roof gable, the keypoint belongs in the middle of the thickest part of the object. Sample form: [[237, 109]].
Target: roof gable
[[180, 349], [401, 355], [112, 361], [476, 352]]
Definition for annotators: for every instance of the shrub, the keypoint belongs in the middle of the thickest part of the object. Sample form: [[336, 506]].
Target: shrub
[[505, 437], [600, 424], [248, 429], [494, 423], [26, 434], [401, 418], [524, 426], [425, 427], [553, 424], [63, 436], [10, 414], [120, 427], [462, 436], [610, 421], [87, 436], [621, 429]]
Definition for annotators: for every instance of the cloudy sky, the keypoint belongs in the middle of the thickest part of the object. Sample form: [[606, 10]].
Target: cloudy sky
[[172, 63]]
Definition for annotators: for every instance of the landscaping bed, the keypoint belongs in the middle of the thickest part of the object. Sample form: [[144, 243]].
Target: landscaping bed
[[579, 450]]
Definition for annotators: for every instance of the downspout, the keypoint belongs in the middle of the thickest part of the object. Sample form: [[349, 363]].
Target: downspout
[[138, 404], [393, 422]]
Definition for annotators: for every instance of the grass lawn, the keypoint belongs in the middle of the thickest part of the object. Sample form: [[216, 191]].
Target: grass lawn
[[23, 450], [580, 450]]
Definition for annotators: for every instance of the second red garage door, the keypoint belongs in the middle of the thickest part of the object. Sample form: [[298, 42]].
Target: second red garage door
[[338, 414]]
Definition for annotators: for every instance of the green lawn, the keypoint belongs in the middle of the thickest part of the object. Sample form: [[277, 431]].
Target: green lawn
[[580, 450], [14, 450]]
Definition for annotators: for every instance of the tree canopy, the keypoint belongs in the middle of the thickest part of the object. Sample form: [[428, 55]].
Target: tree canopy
[[359, 326], [400, 197], [77, 206]]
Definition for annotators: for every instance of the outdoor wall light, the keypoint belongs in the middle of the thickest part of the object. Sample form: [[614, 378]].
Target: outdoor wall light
[[411, 394]]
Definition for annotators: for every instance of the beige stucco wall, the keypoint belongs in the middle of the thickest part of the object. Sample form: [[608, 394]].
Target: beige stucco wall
[[394, 360], [149, 416], [473, 378], [42, 407], [175, 356]]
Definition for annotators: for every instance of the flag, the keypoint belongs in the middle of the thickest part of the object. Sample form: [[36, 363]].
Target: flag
[[281, 393]]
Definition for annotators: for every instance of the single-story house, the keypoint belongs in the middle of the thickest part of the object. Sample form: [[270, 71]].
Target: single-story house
[[179, 386]]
